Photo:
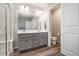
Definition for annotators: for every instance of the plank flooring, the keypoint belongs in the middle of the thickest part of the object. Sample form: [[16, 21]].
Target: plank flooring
[[43, 51]]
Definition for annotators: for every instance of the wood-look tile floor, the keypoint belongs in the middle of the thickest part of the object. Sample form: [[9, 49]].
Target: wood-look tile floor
[[43, 51]]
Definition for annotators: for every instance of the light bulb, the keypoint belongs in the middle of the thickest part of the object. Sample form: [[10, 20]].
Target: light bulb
[[27, 8], [22, 7], [37, 11], [40, 12]]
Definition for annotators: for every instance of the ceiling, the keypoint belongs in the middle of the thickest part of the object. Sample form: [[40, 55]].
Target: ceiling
[[41, 5]]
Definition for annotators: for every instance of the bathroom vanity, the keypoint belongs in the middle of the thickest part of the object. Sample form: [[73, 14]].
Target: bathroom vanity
[[32, 40], [31, 31]]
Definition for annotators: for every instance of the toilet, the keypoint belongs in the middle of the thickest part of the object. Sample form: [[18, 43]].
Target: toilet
[[54, 39]]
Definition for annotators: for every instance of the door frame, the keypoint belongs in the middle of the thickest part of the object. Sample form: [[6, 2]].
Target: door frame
[[55, 6]]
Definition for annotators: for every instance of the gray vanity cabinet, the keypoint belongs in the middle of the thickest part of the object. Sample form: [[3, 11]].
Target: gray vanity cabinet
[[32, 40]]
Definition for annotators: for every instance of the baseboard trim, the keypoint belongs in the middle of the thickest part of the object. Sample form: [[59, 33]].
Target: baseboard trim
[[62, 54], [15, 48]]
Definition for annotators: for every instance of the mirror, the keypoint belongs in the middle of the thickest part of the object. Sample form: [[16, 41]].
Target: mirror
[[27, 22]]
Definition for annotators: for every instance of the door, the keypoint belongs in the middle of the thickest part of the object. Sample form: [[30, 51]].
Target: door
[[70, 29], [2, 30]]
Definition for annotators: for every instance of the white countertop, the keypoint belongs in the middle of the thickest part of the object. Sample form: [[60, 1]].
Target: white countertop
[[29, 31]]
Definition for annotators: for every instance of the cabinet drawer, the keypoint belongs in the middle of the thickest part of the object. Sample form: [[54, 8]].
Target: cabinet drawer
[[35, 35], [35, 43], [43, 34], [24, 35], [25, 38], [35, 38], [43, 37]]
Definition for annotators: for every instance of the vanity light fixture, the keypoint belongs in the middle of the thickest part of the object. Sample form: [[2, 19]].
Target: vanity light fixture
[[27, 8], [38, 11], [22, 7]]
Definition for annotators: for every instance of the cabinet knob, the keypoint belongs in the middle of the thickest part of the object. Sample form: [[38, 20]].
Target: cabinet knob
[[35, 43], [25, 40]]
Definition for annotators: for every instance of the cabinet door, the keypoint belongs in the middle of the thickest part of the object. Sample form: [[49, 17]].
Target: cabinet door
[[26, 43], [35, 43], [41, 41], [45, 40]]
